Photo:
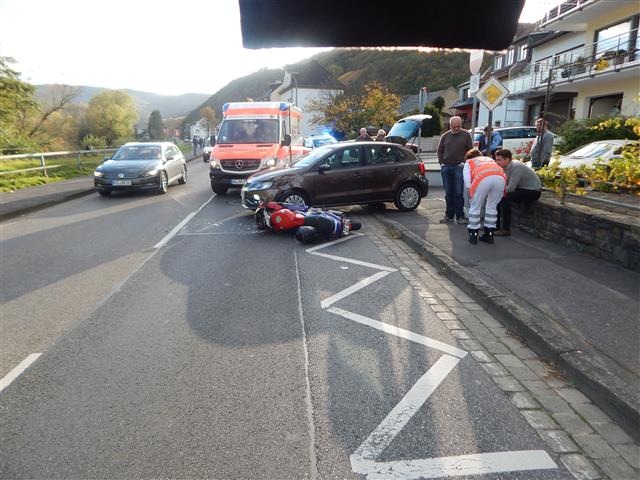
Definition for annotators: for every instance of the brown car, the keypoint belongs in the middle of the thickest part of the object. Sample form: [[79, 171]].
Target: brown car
[[347, 173]]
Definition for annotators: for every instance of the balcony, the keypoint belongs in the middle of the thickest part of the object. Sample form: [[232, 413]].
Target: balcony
[[614, 54], [573, 15]]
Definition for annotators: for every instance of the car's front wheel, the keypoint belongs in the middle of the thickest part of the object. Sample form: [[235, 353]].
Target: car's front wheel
[[407, 198], [183, 177], [164, 183], [218, 189], [294, 197]]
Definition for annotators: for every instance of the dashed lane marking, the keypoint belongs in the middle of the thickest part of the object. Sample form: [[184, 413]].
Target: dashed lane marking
[[15, 373]]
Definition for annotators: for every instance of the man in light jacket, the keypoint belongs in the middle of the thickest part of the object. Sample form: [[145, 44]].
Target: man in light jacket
[[542, 145]]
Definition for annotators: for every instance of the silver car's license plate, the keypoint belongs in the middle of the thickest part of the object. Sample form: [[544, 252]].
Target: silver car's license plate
[[238, 181], [121, 183]]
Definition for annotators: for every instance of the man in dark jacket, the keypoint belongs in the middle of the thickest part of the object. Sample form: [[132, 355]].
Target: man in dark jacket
[[453, 146]]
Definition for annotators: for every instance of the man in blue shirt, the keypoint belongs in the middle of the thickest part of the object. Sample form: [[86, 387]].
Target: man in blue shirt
[[495, 144]]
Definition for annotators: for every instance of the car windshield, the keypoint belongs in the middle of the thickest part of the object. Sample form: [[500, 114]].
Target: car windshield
[[405, 129], [590, 151], [138, 152], [318, 142], [249, 130], [312, 157]]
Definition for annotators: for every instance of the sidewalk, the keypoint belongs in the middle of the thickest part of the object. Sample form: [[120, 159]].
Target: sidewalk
[[28, 200], [573, 309]]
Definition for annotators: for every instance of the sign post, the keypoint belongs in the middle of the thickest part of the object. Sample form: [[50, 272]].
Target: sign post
[[475, 62], [491, 95]]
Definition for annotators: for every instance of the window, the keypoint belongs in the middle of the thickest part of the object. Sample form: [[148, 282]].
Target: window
[[613, 40], [499, 60], [381, 154], [605, 106], [345, 158], [510, 55], [522, 52]]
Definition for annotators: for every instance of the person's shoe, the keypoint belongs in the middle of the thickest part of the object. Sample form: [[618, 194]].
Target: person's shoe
[[487, 235], [473, 236], [502, 233], [462, 221], [446, 220]]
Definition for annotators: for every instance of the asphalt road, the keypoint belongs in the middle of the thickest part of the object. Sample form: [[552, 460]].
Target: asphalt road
[[229, 353]]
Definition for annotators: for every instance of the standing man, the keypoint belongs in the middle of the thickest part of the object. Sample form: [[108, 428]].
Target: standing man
[[453, 146], [195, 145], [363, 137], [542, 145], [523, 185]]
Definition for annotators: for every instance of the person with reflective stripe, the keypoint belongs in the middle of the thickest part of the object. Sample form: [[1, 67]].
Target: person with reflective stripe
[[486, 182]]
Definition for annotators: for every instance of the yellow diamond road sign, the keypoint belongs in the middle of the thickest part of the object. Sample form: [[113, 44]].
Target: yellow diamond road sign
[[492, 93]]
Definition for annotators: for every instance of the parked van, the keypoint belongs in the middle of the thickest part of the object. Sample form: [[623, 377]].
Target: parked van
[[254, 136], [517, 139]]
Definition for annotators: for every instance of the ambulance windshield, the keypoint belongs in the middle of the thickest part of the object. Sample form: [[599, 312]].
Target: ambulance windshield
[[252, 130]]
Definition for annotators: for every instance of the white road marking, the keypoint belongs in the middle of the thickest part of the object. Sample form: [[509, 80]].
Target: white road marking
[[353, 288], [328, 244], [446, 467], [391, 426], [363, 459], [178, 227], [400, 332], [15, 373], [307, 397]]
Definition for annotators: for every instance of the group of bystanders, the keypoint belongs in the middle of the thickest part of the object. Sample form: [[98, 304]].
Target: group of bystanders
[[493, 184]]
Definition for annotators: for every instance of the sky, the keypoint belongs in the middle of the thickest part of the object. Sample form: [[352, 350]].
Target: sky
[[159, 46]]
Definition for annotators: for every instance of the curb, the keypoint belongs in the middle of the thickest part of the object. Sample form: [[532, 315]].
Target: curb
[[592, 372], [54, 199]]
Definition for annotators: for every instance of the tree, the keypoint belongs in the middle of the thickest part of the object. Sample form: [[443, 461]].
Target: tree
[[58, 98], [111, 114], [347, 113], [209, 114], [16, 106], [438, 102], [434, 127], [155, 127]]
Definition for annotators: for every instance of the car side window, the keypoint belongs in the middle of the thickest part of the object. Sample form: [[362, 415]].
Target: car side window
[[531, 133], [380, 154], [506, 134], [344, 158]]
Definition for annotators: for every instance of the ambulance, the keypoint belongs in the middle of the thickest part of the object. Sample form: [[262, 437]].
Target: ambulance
[[254, 136]]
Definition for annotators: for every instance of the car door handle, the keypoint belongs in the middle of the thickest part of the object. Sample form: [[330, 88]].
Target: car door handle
[[395, 169], [356, 174]]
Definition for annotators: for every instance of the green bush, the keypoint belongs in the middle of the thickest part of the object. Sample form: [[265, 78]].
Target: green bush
[[93, 141], [576, 133]]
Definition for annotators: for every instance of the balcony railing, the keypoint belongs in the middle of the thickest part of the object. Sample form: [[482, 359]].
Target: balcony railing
[[606, 55], [563, 9]]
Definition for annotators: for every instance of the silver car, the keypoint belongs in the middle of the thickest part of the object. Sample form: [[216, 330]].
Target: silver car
[[141, 166]]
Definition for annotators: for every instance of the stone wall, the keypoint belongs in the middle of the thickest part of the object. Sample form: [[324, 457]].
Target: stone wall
[[609, 235]]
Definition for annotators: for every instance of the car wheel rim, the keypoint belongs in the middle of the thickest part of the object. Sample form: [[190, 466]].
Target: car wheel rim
[[164, 182], [184, 174], [409, 197], [295, 200]]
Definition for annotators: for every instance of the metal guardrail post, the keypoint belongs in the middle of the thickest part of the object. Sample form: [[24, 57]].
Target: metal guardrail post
[[44, 166], [79, 162]]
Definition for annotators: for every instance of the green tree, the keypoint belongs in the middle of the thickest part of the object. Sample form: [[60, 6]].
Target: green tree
[[17, 105], [111, 114], [347, 113], [438, 102], [155, 127], [434, 127]]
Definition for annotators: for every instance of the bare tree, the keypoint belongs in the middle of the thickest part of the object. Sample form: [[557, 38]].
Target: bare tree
[[58, 98]]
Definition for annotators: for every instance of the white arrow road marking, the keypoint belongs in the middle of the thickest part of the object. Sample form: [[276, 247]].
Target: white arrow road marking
[[363, 459]]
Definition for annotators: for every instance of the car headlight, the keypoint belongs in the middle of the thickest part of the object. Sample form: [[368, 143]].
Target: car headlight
[[98, 174], [272, 162], [214, 163], [151, 173], [260, 186]]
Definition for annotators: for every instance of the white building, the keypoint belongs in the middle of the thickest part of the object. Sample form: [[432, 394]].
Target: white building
[[313, 82]]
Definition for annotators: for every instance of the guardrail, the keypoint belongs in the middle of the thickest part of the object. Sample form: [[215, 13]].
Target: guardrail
[[43, 155]]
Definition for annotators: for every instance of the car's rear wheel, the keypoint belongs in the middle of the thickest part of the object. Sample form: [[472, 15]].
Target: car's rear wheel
[[164, 183], [104, 193], [407, 198], [218, 189], [183, 177], [294, 197]]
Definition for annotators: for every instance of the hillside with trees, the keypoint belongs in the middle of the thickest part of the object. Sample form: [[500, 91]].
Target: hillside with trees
[[401, 71]]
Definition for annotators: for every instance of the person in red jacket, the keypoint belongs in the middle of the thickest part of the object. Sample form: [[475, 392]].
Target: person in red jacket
[[486, 182]]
